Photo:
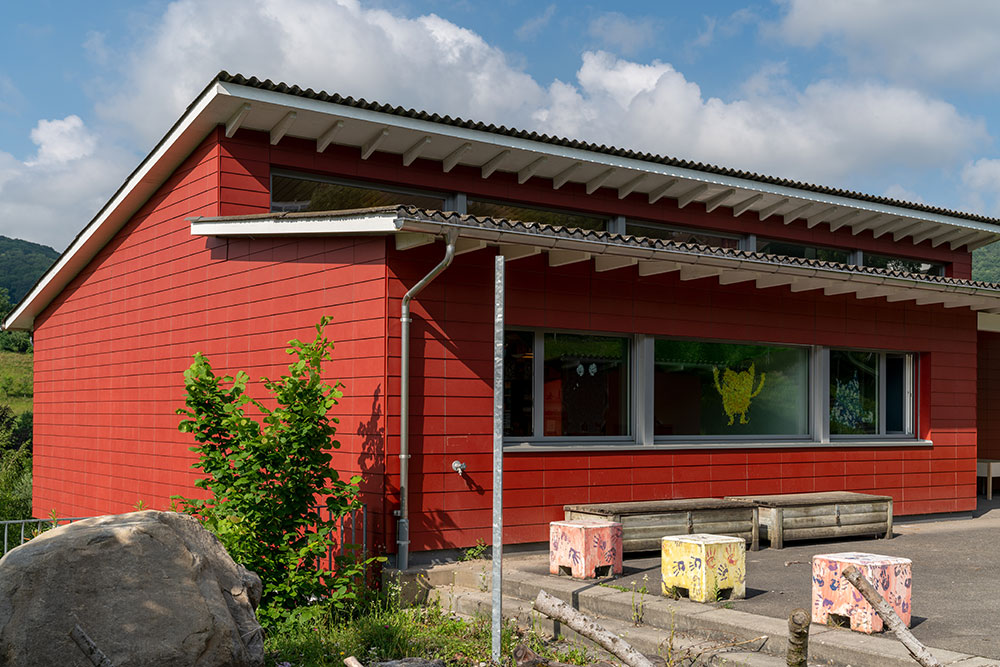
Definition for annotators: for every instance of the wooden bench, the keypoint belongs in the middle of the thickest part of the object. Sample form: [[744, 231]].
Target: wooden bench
[[988, 468], [645, 523], [808, 516]]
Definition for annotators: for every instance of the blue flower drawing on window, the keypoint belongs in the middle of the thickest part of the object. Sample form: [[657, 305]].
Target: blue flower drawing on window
[[847, 409]]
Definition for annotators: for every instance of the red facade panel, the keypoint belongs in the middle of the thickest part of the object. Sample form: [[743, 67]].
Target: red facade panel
[[111, 350]]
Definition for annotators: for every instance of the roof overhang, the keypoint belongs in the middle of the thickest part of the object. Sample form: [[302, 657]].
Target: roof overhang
[[413, 228], [369, 128]]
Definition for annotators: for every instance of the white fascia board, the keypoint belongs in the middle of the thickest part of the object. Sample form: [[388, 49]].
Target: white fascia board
[[152, 172], [989, 322], [581, 155], [318, 226]]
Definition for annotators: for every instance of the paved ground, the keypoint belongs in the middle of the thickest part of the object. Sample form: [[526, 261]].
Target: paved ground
[[956, 578]]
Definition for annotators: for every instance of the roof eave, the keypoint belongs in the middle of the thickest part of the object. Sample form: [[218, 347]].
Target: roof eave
[[414, 230]]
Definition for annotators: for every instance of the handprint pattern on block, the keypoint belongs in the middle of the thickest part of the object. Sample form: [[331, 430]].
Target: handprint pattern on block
[[585, 545], [890, 576]]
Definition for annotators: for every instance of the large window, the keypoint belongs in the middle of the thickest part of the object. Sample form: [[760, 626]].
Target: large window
[[566, 387], [727, 389], [789, 249], [292, 194], [572, 384], [903, 264], [509, 211], [681, 235], [870, 393]]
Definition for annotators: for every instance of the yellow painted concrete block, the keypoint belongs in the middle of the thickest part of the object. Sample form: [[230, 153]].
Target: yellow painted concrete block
[[707, 566]]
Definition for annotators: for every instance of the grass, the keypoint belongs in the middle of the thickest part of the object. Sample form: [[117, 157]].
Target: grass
[[387, 633], [16, 380]]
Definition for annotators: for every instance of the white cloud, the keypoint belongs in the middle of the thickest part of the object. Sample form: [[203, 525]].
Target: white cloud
[[528, 30], [96, 47], [426, 62], [11, 98], [952, 43], [50, 202], [61, 141], [981, 179], [897, 191], [826, 132], [621, 33], [830, 132]]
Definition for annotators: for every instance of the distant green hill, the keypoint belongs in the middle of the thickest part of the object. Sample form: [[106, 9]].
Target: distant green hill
[[22, 263], [986, 263]]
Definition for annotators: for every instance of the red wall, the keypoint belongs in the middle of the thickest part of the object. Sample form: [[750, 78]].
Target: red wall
[[453, 419], [111, 350], [987, 407], [110, 353]]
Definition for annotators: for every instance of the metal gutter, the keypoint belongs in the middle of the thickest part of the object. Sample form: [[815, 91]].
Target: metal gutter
[[403, 523]]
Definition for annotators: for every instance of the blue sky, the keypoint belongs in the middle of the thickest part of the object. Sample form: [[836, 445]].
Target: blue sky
[[894, 98]]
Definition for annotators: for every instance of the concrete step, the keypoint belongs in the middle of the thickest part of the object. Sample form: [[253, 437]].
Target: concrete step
[[681, 648], [710, 622]]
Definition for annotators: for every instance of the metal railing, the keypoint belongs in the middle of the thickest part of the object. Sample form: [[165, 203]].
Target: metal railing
[[18, 531]]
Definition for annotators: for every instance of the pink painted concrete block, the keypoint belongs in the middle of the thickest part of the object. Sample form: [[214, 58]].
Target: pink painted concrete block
[[833, 594], [585, 547]]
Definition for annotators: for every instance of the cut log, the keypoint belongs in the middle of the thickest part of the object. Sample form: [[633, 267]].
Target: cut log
[[890, 618], [798, 639], [583, 625]]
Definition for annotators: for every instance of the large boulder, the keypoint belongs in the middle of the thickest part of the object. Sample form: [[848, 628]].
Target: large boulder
[[147, 588]]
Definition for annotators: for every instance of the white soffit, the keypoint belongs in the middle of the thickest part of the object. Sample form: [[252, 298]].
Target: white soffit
[[493, 152]]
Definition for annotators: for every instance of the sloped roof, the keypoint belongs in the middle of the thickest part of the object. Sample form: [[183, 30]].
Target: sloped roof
[[235, 102], [503, 130]]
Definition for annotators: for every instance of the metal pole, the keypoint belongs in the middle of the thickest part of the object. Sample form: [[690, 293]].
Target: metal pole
[[498, 318]]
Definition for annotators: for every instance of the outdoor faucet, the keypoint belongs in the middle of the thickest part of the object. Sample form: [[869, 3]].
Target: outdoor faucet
[[458, 466]]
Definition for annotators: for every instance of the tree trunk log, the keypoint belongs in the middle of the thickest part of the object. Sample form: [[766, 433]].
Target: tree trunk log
[[798, 638], [890, 618], [558, 610]]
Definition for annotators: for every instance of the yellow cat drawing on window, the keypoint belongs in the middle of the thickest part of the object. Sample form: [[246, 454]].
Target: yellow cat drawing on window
[[737, 391]]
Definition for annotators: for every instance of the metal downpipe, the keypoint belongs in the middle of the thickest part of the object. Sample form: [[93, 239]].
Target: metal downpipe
[[403, 523]]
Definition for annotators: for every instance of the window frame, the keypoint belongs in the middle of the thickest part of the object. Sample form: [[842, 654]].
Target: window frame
[[538, 393], [641, 403], [911, 403]]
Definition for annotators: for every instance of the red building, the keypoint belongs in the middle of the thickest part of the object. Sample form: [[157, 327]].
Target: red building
[[673, 329]]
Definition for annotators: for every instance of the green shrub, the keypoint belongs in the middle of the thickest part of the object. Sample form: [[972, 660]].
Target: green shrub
[[15, 483], [264, 478]]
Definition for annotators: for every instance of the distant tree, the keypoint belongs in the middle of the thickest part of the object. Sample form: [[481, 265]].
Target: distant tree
[[986, 263], [22, 263], [11, 341]]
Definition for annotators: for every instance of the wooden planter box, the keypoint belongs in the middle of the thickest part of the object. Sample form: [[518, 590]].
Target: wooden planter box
[[809, 516], [645, 523]]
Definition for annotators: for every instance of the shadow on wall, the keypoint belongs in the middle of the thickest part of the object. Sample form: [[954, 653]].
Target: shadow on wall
[[371, 463]]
